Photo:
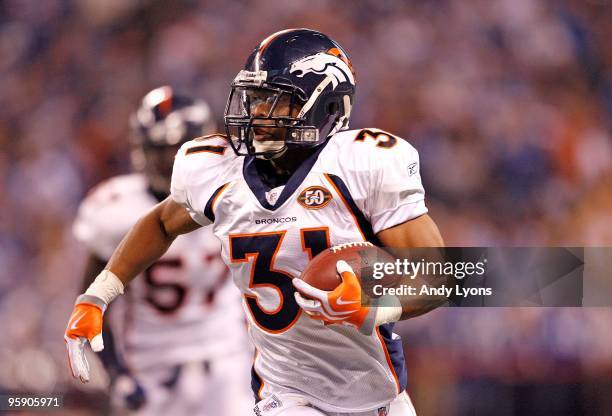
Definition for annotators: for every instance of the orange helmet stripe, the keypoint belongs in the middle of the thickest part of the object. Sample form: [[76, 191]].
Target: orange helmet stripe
[[339, 54]]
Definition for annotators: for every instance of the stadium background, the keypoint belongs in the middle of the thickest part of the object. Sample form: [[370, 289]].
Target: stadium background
[[508, 102]]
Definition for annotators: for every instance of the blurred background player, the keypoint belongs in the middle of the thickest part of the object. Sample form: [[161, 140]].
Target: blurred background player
[[174, 353]]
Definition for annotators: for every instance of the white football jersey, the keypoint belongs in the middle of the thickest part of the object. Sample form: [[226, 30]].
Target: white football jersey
[[180, 309], [358, 183]]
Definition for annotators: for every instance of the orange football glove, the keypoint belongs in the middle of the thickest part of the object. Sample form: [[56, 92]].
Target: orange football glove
[[85, 325], [341, 305]]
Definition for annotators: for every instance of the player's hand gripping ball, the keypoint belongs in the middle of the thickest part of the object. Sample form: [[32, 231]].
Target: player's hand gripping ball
[[334, 286]]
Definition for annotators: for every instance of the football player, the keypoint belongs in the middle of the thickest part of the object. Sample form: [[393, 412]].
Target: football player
[[169, 350], [287, 181]]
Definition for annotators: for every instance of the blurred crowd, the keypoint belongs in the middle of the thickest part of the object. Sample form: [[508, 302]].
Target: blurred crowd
[[508, 102]]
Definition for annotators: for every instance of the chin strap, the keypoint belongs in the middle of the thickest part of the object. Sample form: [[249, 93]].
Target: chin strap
[[271, 155], [331, 125], [269, 146]]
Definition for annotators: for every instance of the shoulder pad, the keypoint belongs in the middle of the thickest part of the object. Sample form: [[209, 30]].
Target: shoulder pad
[[201, 167], [371, 148], [213, 144], [211, 150]]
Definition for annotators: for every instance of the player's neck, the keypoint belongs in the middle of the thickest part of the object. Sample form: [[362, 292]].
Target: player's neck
[[276, 172]]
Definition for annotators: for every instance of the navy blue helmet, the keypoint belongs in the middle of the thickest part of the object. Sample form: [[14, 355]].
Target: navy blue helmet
[[163, 122], [296, 89]]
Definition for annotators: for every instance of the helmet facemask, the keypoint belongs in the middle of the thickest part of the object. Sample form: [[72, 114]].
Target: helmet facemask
[[256, 109], [263, 120]]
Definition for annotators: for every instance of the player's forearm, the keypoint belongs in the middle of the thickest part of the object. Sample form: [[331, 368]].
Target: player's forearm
[[421, 302], [146, 242], [417, 233], [417, 304]]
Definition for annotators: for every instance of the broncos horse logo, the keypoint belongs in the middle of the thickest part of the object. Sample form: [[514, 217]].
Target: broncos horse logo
[[332, 65]]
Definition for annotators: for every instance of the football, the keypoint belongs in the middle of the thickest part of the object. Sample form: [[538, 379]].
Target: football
[[361, 256]]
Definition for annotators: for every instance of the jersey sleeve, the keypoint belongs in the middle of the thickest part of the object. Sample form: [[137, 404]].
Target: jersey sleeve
[[396, 194], [385, 179], [197, 174]]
